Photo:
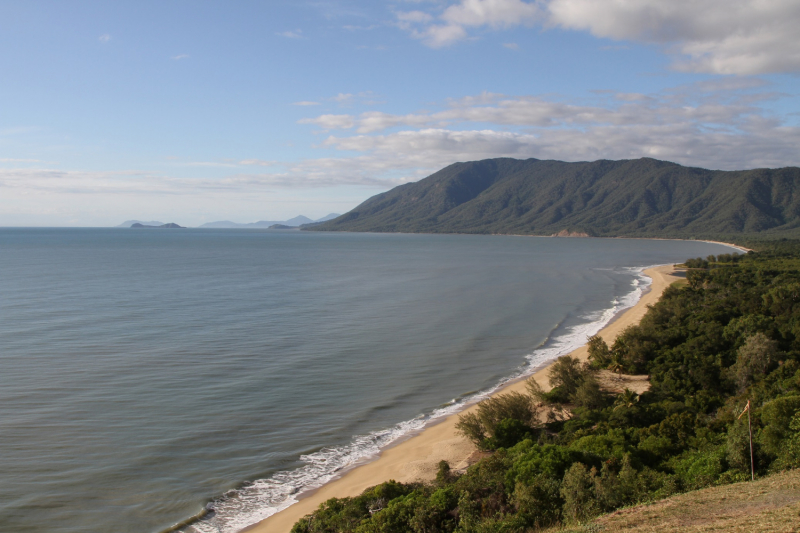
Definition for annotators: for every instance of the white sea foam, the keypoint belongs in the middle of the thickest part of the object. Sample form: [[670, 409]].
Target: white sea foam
[[261, 499]]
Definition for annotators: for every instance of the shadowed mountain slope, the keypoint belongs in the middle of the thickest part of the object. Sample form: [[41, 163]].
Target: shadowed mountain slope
[[637, 198]]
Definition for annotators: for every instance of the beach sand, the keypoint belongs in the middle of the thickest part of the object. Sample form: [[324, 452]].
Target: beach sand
[[417, 458]]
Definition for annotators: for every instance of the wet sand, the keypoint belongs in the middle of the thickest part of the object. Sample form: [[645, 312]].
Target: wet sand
[[417, 458]]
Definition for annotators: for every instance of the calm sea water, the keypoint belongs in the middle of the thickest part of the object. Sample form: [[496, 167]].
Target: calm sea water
[[147, 374]]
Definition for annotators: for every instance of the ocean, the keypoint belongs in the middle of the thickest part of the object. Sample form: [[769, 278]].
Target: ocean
[[147, 375]]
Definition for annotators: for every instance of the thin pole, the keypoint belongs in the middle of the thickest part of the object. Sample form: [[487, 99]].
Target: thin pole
[[750, 429]]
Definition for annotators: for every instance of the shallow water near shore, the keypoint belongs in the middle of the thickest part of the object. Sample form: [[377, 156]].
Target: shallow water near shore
[[148, 373]]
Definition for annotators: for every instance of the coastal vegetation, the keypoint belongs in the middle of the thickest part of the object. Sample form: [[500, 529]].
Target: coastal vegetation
[[630, 198], [561, 457]]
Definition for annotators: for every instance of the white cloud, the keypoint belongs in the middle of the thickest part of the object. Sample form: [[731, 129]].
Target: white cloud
[[349, 99], [406, 18], [305, 103], [442, 35], [522, 111], [104, 38], [350, 27], [717, 36], [451, 24], [343, 98], [714, 36], [258, 162], [761, 144], [180, 56], [373, 121], [511, 46], [210, 164], [291, 34], [494, 13], [330, 122]]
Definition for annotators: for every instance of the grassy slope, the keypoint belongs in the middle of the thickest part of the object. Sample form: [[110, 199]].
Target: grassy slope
[[770, 504], [642, 197]]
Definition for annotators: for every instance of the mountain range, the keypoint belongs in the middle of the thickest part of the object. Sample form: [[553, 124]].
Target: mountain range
[[635, 198]]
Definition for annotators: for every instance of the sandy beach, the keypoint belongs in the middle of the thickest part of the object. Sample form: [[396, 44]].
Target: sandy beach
[[417, 457]]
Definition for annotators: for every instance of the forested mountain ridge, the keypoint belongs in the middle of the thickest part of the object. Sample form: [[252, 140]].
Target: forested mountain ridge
[[633, 198]]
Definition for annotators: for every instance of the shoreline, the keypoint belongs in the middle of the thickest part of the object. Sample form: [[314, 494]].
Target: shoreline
[[416, 457], [551, 236]]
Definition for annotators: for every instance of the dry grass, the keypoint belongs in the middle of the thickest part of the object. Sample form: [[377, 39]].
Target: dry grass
[[769, 505], [617, 383]]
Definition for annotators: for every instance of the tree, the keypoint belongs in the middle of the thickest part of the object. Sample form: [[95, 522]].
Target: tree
[[755, 358], [567, 374], [589, 394], [616, 363], [599, 354], [626, 400], [577, 489]]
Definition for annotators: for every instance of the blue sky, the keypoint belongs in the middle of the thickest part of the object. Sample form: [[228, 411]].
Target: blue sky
[[191, 111]]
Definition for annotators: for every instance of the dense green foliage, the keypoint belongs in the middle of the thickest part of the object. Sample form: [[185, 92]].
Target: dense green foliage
[[729, 335], [637, 198]]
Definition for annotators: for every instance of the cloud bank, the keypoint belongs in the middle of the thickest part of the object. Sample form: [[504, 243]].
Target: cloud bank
[[722, 124], [742, 37]]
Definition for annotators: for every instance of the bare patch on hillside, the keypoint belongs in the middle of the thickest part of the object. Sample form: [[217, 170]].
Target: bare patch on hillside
[[768, 505], [617, 383]]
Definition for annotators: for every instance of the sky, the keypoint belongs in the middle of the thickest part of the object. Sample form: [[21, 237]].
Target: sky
[[196, 111]]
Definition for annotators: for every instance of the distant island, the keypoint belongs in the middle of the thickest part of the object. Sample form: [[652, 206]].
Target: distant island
[[168, 226], [129, 223], [630, 198], [292, 223], [295, 222]]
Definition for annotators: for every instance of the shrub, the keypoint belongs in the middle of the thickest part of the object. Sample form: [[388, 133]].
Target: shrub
[[590, 395], [497, 421], [539, 502], [571, 382], [607, 486], [776, 417], [738, 446], [701, 468], [531, 460], [443, 474], [790, 454]]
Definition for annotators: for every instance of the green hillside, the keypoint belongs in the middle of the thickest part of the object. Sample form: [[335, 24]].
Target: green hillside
[[635, 198]]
